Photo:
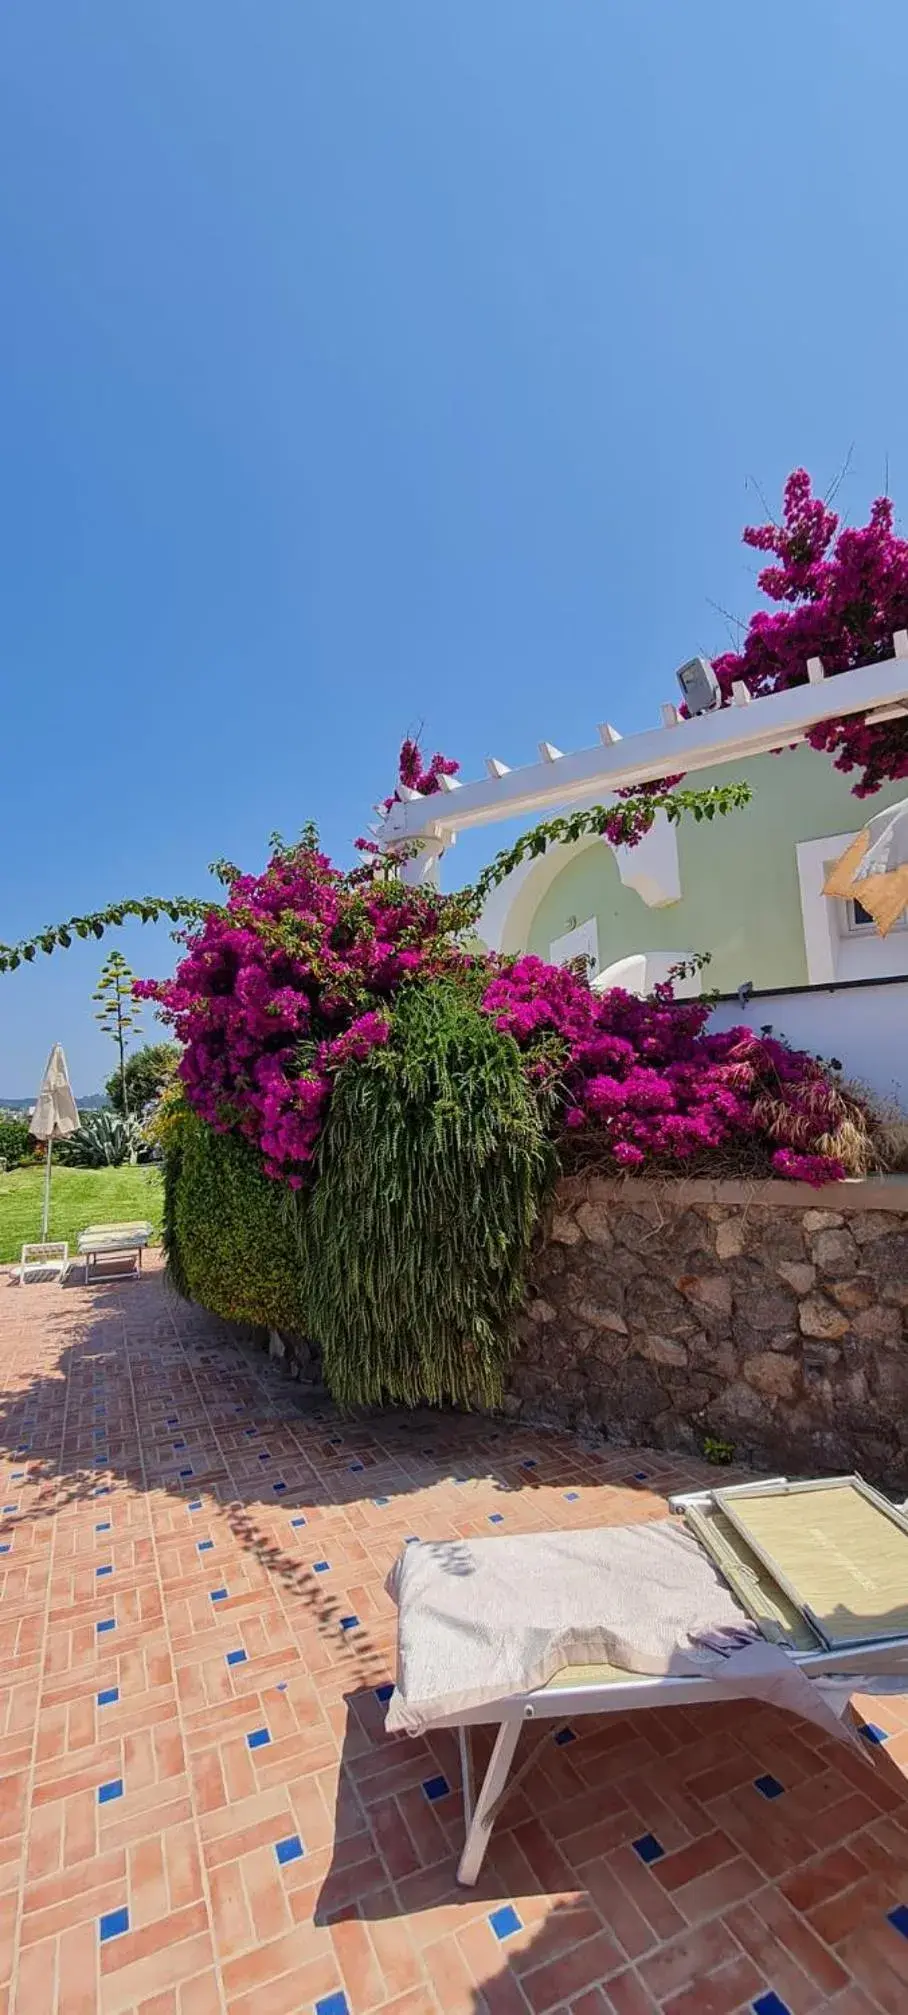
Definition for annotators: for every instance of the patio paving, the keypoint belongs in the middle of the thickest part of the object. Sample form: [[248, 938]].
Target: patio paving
[[199, 1810]]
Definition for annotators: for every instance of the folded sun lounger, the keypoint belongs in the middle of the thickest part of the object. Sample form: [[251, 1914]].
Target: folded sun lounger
[[792, 1593]]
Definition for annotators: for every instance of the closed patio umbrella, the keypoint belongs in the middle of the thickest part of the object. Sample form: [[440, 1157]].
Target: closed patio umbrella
[[873, 870], [55, 1116]]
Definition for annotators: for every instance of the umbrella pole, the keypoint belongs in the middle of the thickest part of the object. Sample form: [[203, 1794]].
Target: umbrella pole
[[46, 1215]]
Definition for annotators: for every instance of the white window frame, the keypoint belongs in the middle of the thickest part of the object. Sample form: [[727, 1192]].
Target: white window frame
[[834, 950]]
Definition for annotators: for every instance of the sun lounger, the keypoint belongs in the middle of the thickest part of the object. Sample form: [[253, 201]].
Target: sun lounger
[[110, 1241], [807, 1602]]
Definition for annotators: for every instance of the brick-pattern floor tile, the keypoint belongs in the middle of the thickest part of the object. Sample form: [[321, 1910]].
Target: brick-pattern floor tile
[[154, 1858]]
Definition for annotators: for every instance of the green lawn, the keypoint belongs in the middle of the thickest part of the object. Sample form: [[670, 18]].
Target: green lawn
[[78, 1196]]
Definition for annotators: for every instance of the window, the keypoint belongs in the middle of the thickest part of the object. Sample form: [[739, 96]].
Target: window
[[841, 941], [856, 921]]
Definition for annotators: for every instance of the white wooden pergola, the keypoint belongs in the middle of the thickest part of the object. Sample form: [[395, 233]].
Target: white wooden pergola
[[424, 827]]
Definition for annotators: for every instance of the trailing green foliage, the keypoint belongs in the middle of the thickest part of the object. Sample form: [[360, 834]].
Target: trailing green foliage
[[623, 822], [229, 1236], [147, 908], [413, 1243]]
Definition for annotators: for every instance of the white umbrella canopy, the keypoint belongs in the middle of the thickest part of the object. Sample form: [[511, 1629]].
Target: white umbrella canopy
[[874, 869], [55, 1116]]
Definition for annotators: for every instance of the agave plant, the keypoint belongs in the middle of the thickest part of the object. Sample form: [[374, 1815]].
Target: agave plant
[[104, 1140]]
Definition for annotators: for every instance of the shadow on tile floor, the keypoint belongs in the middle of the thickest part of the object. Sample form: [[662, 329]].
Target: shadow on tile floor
[[193, 1610]]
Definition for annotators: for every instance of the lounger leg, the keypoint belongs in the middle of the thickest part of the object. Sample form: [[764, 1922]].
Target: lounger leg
[[493, 1784]]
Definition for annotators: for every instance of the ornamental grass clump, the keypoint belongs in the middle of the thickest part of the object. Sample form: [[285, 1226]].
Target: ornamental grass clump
[[413, 1243]]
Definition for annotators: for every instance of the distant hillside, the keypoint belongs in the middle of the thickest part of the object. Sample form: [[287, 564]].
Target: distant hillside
[[93, 1103]]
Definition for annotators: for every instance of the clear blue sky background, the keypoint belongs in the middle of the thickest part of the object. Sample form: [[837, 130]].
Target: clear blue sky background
[[369, 361]]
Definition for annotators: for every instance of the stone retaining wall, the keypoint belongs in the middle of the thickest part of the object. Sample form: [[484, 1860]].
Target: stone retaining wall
[[764, 1315]]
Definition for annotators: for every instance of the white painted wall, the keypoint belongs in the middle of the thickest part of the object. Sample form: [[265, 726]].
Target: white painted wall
[[866, 1027]]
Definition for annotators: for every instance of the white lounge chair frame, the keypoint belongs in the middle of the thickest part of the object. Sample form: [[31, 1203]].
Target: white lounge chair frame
[[557, 1703]]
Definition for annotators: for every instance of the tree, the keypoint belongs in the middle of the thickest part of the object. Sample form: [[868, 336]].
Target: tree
[[145, 1073], [117, 1011]]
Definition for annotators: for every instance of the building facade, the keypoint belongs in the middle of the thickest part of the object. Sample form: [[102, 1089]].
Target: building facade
[[748, 889]]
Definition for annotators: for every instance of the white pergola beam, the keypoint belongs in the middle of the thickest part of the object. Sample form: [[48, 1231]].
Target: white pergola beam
[[727, 735]]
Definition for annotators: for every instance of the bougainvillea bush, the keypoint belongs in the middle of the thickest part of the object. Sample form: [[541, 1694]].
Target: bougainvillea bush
[[359, 1075], [297, 977]]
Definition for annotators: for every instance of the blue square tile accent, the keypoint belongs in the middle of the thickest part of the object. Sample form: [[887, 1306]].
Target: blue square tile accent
[[265, 1458], [768, 1786], [291, 1849], [196, 1504], [333, 2004], [505, 1922], [436, 1787], [496, 1517], [253, 1431], [380, 1502], [530, 1462], [564, 1736], [279, 1487], [383, 1693], [349, 1622], [571, 1496], [281, 1686], [321, 1567], [770, 2004], [237, 1657], [297, 1521], [205, 1545], [648, 1848], [898, 1918], [108, 1791], [5, 1547], [219, 1595], [109, 1697], [641, 1475], [413, 1539], [113, 1924], [101, 1490], [109, 1623], [173, 1421], [355, 1468], [18, 1477], [10, 1507], [178, 1445], [185, 1472], [104, 1525], [101, 1571], [873, 1733], [259, 1739]]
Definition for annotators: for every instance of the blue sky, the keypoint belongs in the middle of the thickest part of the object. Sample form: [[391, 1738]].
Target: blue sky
[[366, 362]]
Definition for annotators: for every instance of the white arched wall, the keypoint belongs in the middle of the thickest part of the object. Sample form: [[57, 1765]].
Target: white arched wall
[[652, 868]]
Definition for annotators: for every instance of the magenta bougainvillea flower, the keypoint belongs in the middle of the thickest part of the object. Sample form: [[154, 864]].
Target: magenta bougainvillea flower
[[298, 975]]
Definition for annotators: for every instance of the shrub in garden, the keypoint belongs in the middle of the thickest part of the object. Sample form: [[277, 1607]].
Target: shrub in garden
[[15, 1140], [431, 1172], [103, 1140], [229, 1241]]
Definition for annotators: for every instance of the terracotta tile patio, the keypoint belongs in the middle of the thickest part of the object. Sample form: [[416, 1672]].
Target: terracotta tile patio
[[198, 1808]]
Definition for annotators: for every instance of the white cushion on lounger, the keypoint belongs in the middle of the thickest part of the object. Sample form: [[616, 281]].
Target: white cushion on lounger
[[482, 1620]]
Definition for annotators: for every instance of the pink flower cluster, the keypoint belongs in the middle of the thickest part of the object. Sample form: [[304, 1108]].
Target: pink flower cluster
[[846, 595], [415, 777], [650, 1079], [291, 981]]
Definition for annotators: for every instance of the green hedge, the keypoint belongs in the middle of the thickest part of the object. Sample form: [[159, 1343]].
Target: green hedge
[[406, 1262], [229, 1235]]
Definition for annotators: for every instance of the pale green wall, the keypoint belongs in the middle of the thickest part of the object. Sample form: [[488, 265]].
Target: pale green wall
[[739, 878]]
